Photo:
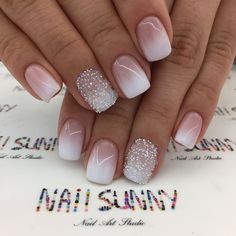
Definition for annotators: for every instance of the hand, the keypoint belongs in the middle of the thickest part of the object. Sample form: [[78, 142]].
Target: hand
[[132, 137], [91, 46]]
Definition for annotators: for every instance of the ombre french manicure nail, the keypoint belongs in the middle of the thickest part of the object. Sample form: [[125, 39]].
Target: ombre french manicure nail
[[71, 140], [102, 162], [189, 130], [141, 161], [153, 39], [96, 90], [130, 76], [41, 82]]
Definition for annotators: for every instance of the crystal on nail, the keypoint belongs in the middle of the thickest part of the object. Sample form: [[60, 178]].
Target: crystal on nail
[[141, 161], [96, 90]]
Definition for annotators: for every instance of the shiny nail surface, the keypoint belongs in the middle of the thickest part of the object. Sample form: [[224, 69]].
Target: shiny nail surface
[[153, 39], [141, 161], [71, 140], [41, 82], [130, 76], [189, 130], [96, 90], [102, 162]]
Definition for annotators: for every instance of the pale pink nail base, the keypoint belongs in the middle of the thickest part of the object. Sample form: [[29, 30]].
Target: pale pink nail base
[[189, 130], [153, 39], [102, 162], [130, 76], [41, 82], [71, 140]]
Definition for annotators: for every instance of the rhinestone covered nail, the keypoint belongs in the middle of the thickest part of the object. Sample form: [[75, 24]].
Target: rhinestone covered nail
[[96, 90], [141, 161]]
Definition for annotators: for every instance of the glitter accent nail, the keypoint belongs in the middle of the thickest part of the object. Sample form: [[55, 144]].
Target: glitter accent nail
[[96, 90], [141, 161]]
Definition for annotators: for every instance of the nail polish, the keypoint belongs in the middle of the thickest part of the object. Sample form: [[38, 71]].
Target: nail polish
[[71, 140], [41, 82], [153, 39], [130, 76], [96, 90], [189, 130], [102, 162], [141, 161]]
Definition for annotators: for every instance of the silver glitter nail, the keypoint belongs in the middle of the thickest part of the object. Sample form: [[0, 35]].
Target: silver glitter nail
[[96, 90], [141, 161]]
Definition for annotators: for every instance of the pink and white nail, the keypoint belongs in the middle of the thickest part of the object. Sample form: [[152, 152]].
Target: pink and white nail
[[189, 130], [130, 76], [102, 162], [41, 82], [153, 39], [71, 140]]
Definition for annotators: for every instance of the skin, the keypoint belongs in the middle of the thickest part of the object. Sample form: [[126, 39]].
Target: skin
[[190, 79]]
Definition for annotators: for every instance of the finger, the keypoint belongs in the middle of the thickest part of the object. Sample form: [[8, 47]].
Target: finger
[[200, 102], [150, 28], [63, 46], [105, 153], [169, 4], [74, 128], [103, 30], [26, 63], [158, 111]]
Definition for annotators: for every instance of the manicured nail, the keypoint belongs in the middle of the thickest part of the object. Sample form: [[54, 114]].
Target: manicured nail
[[141, 161], [130, 76], [153, 39], [96, 90], [71, 140], [189, 130], [102, 162], [42, 82]]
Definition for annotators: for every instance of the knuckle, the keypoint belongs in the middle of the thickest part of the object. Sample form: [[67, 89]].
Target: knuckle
[[63, 48], [10, 46], [102, 31], [118, 115], [221, 48], [159, 113], [185, 46], [19, 7], [206, 91]]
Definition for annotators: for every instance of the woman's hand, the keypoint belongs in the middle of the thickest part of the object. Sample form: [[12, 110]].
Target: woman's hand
[[92, 46], [132, 136]]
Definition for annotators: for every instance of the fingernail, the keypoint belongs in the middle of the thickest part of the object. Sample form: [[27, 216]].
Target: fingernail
[[42, 82], [130, 76], [153, 39], [141, 161], [102, 162], [189, 130], [96, 90], [71, 140]]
